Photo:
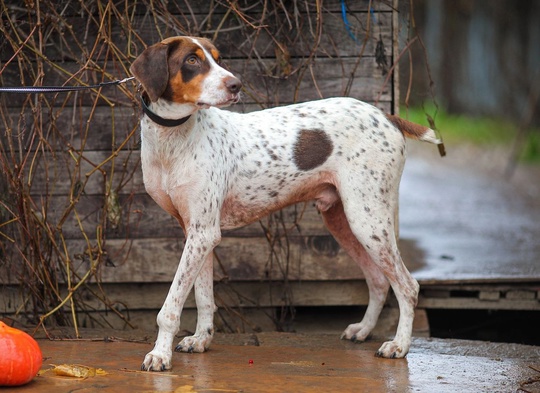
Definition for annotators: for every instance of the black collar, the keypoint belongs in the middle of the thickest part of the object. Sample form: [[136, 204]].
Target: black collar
[[160, 120]]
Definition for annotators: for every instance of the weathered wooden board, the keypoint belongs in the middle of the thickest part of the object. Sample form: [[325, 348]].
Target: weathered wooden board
[[141, 217], [479, 304], [307, 258], [262, 83], [82, 128], [331, 76], [141, 302], [133, 259], [156, 260], [259, 319], [102, 128], [240, 259], [150, 296], [495, 295], [227, 30], [86, 172], [334, 42], [253, 7]]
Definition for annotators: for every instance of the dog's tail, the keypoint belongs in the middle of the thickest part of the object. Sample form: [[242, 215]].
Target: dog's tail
[[416, 131]]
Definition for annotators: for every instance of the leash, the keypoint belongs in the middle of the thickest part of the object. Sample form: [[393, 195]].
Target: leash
[[62, 89], [59, 89]]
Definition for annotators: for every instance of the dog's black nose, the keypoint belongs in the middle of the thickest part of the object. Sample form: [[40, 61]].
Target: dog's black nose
[[233, 85]]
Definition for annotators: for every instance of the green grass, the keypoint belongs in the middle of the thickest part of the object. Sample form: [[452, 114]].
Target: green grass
[[481, 131]]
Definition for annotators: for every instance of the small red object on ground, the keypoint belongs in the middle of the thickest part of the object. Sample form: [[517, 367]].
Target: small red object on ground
[[250, 361]]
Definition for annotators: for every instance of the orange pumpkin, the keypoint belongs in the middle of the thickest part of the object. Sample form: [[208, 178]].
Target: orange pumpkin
[[20, 356]]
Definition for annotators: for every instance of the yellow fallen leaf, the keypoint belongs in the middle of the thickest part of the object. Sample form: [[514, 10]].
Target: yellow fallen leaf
[[185, 389], [100, 371], [77, 370]]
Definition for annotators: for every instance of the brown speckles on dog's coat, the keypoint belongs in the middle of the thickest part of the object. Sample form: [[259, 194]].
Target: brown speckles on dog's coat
[[221, 170]]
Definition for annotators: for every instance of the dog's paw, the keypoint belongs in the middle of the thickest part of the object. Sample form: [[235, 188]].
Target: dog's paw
[[156, 361], [392, 350], [197, 343], [356, 332]]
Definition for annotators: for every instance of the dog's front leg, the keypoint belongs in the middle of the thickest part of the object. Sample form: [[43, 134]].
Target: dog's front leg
[[199, 244], [204, 297]]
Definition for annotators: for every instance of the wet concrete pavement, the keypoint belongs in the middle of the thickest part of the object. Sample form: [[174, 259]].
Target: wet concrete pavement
[[466, 221], [461, 221], [282, 362]]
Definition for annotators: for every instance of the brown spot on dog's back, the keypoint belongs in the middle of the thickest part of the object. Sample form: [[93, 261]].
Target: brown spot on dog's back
[[312, 149]]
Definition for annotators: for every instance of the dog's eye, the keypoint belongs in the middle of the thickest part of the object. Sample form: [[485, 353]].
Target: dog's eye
[[192, 60]]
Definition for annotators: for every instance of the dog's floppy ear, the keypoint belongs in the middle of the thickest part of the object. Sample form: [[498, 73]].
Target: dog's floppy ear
[[152, 70]]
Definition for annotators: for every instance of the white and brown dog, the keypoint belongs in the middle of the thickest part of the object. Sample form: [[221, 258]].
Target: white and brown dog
[[213, 169]]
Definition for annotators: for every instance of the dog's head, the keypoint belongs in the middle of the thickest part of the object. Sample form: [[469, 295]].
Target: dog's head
[[186, 70]]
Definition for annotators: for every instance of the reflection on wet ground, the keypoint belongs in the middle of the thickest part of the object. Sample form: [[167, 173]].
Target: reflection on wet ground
[[293, 363], [468, 225]]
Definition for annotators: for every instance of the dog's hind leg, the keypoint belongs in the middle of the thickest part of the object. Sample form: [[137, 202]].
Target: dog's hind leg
[[204, 298], [336, 222], [373, 226]]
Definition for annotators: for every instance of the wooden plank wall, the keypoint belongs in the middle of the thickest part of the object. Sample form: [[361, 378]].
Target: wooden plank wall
[[94, 159]]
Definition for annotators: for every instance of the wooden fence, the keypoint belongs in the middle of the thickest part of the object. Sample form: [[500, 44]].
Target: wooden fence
[[81, 242]]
